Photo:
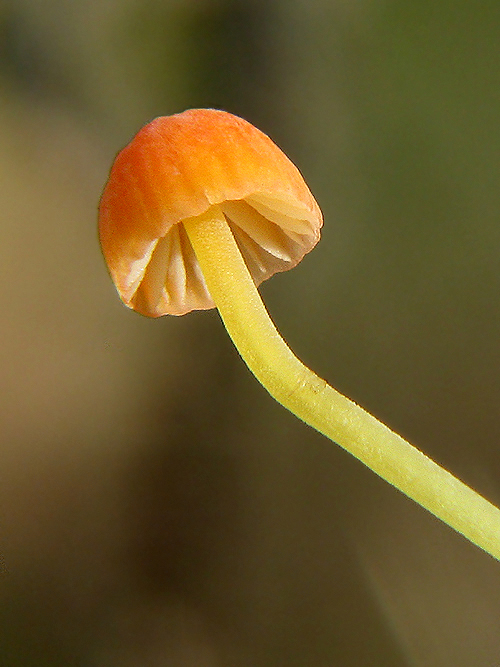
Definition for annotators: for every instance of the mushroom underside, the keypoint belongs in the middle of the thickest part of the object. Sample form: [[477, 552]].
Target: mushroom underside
[[270, 238]]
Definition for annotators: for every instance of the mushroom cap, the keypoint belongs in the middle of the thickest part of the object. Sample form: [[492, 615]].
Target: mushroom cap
[[179, 166]]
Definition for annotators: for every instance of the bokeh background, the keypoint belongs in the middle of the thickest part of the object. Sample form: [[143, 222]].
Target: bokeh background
[[156, 507]]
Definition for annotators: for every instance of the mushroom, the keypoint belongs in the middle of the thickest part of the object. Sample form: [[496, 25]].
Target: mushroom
[[198, 210]]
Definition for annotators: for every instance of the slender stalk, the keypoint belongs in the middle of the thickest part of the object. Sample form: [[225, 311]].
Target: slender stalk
[[311, 399]]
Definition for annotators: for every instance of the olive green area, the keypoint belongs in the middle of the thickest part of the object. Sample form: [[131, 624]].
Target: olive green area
[[156, 507]]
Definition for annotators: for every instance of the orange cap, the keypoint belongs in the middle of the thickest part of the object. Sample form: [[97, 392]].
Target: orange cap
[[177, 167]]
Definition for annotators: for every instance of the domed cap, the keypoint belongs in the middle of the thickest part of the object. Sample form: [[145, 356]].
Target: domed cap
[[177, 167]]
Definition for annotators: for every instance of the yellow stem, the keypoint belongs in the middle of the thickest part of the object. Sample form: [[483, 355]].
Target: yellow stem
[[311, 399]]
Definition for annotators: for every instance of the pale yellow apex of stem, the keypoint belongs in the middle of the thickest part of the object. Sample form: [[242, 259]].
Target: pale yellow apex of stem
[[309, 397]]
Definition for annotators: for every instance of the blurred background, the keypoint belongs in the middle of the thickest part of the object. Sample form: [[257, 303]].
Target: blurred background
[[157, 508]]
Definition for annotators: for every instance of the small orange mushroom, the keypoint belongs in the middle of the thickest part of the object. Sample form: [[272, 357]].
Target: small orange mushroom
[[178, 167], [200, 208]]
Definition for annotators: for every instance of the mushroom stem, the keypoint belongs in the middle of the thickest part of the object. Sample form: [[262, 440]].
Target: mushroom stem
[[318, 404]]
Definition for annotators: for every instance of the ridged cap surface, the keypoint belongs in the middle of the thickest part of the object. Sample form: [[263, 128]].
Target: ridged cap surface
[[177, 167]]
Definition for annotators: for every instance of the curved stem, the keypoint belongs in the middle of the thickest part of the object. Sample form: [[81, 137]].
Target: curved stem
[[311, 399]]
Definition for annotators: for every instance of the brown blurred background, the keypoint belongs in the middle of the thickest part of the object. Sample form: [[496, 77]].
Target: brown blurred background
[[156, 507]]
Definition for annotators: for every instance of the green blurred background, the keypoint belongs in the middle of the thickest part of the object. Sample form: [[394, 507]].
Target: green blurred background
[[156, 507]]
